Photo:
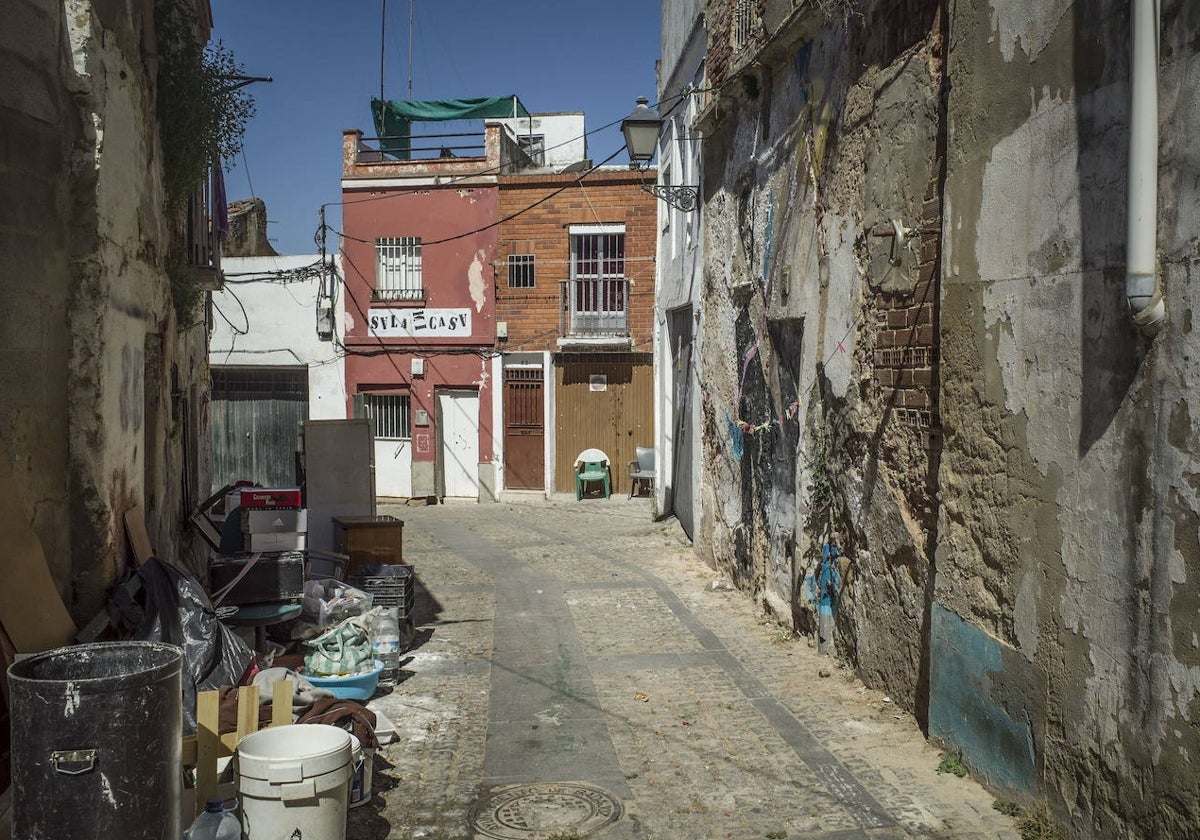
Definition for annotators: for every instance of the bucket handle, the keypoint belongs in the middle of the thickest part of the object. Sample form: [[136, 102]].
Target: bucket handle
[[73, 762]]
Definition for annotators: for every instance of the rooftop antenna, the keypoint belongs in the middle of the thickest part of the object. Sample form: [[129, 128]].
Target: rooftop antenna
[[382, 46], [411, 14]]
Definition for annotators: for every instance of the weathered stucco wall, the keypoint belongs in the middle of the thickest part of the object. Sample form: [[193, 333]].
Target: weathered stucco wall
[[832, 131], [1068, 546], [106, 390]]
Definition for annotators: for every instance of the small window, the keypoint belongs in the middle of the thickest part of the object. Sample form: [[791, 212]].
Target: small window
[[520, 271], [389, 415], [398, 268], [534, 145]]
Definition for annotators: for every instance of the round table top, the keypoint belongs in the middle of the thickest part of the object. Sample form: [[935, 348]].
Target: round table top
[[258, 615]]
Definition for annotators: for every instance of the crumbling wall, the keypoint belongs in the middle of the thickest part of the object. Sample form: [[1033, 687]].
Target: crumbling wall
[[819, 349], [1064, 641], [106, 388]]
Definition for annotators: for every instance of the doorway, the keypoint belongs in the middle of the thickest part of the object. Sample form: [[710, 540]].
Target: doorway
[[524, 429], [458, 442]]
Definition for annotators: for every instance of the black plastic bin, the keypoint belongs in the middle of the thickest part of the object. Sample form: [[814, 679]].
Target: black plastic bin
[[96, 740]]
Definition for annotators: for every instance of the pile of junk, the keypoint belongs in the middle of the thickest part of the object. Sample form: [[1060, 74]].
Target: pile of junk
[[226, 703]]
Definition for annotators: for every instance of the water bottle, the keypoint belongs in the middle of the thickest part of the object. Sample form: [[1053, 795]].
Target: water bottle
[[385, 643], [216, 823]]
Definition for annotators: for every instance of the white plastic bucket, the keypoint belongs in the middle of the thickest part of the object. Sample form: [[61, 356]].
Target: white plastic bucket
[[293, 781], [360, 778]]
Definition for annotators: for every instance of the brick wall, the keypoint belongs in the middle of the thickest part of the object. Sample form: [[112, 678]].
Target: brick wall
[[906, 346], [535, 315]]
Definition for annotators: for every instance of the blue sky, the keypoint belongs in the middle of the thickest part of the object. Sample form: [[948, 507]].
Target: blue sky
[[324, 57]]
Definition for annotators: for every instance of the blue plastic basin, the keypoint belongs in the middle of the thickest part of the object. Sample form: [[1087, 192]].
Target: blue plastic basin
[[352, 687]]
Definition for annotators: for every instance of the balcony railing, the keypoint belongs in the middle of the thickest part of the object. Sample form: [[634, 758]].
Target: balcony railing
[[597, 308]]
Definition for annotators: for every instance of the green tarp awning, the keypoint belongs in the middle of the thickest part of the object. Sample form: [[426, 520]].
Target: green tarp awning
[[394, 118]]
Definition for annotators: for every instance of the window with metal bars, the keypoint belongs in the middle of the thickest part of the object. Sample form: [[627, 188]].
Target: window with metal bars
[[389, 414], [398, 268], [596, 256], [520, 271], [745, 21], [596, 296]]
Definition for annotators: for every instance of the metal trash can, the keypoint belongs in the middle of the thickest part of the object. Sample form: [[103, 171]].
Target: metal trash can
[[96, 741]]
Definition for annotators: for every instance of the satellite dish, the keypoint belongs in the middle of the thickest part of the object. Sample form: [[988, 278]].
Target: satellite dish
[[578, 166]]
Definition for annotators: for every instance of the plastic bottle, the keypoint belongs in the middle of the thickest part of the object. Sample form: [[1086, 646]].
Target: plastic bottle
[[385, 643], [216, 823]]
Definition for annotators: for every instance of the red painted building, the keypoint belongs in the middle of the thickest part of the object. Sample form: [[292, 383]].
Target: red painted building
[[420, 312], [466, 400]]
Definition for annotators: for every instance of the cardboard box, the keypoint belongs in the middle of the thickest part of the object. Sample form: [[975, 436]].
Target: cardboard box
[[274, 521], [275, 542], [270, 498]]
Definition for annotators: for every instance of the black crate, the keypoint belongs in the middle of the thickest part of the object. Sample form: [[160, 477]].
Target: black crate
[[389, 586]]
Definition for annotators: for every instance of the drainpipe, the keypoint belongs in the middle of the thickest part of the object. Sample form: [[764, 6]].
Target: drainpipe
[[1141, 245]]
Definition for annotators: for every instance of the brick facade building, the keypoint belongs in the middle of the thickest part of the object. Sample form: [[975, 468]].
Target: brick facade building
[[574, 303]]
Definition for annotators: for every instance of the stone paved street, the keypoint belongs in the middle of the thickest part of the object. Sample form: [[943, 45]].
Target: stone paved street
[[579, 642]]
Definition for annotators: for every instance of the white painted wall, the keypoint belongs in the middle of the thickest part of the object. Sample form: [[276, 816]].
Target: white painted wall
[[565, 143], [275, 316], [680, 257]]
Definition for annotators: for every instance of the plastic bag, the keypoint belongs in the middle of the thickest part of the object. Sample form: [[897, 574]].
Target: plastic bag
[[344, 649], [177, 611], [328, 602]]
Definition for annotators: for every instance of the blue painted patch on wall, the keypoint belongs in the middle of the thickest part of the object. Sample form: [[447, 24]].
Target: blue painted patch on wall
[[975, 706]]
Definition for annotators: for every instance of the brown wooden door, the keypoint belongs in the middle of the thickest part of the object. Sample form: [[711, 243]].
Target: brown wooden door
[[606, 401], [524, 429]]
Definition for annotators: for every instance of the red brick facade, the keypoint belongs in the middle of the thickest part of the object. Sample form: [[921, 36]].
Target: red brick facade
[[535, 317]]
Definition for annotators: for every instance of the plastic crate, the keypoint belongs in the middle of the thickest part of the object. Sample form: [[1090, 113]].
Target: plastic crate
[[390, 586]]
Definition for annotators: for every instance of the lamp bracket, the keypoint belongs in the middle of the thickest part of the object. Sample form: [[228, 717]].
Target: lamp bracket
[[678, 196]]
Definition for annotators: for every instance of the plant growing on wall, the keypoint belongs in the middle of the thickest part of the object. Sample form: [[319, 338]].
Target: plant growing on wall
[[202, 114]]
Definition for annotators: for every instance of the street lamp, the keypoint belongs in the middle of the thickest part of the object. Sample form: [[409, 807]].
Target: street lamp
[[641, 129]]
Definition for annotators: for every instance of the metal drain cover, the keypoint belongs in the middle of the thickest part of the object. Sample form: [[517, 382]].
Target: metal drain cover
[[525, 812]]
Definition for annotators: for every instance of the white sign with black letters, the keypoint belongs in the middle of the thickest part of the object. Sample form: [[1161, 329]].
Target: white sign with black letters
[[419, 323]]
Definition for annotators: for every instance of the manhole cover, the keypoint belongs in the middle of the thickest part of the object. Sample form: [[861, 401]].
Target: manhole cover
[[524, 812]]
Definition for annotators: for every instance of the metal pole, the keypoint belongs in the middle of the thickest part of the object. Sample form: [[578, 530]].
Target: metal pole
[[411, 15], [382, 45]]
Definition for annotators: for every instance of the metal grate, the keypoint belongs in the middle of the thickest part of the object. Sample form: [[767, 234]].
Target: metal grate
[[280, 383], [745, 17], [598, 307], [597, 255], [389, 414], [398, 269], [520, 271]]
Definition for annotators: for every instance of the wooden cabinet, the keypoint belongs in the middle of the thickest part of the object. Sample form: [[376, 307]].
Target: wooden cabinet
[[367, 540]]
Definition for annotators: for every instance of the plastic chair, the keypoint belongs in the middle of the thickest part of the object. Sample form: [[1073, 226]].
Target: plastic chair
[[641, 470], [592, 465]]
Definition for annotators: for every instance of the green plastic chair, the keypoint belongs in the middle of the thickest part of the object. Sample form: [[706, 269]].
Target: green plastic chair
[[592, 465]]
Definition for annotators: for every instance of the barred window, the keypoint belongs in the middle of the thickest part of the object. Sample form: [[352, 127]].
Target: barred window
[[398, 268], [596, 255], [389, 414], [520, 271]]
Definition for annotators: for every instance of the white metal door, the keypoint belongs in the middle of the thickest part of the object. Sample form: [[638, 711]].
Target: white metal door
[[459, 412]]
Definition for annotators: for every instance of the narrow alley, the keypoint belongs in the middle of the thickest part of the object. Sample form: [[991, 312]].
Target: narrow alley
[[577, 673]]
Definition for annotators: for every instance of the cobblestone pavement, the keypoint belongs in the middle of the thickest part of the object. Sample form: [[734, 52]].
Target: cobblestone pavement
[[579, 642]]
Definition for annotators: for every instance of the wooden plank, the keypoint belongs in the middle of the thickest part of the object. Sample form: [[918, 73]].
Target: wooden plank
[[247, 711], [139, 538], [208, 716], [31, 610], [281, 702]]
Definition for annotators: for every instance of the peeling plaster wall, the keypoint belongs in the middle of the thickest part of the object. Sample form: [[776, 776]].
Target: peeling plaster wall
[[816, 138], [110, 389], [1069, 534]]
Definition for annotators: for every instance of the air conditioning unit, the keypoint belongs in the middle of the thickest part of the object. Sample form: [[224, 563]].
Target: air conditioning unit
[[325, 323]]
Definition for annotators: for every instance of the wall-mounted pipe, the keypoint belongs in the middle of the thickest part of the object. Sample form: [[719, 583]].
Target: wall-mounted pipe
[[1142, 288]]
